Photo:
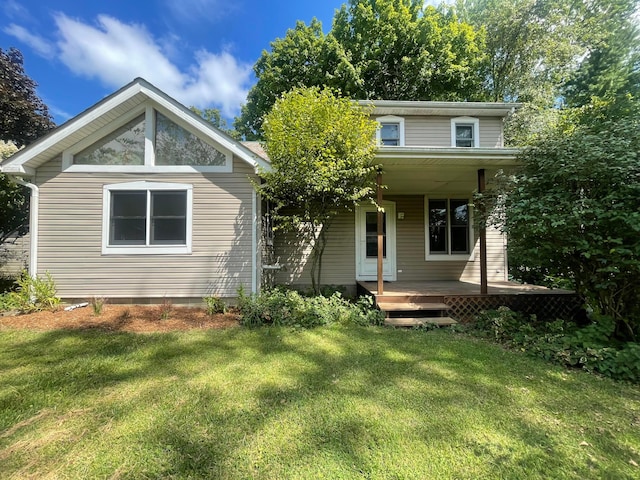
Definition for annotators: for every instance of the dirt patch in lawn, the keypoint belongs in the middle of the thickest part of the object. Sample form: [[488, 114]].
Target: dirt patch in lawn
[[125, 318]]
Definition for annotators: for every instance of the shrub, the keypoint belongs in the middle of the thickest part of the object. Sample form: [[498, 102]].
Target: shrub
[[34, 294], [590, 348], [97, 304], [289, 308], [214, 305]]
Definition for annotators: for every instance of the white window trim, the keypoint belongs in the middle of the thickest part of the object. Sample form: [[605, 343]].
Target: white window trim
[[390, 119], [145, 249], [448, 257], [475, 122], [149, 111]]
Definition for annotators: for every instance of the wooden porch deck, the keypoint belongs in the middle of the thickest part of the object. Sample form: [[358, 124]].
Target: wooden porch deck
[[445, 302]]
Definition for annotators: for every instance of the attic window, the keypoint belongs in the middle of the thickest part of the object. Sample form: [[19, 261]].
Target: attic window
[[124, 146], [176, 146], [147, 140]]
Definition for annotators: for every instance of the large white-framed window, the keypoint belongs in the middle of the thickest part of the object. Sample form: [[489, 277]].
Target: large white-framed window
[[448, 228], [465, 132], [391, 131], [146, 140], [147, 218]]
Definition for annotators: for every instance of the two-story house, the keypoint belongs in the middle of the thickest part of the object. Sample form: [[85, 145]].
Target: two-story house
[[138, 198], [434, 155]]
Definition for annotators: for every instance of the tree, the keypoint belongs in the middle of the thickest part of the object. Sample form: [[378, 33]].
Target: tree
[[322, 150], [377, 49], [24, 117], [214, 117], [573, 210]]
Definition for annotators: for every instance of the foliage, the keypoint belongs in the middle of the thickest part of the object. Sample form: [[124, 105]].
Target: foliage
[[281, 307], [97, 304], [13, 201], [214, 117], [214, 305], [589, 348], [382, 49], [322, 153], [165, 308], [24, 115], [34, 294], [572, 211]]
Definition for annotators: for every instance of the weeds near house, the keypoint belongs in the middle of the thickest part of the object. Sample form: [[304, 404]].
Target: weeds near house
[[34, 294], [165, 309], [97, 304], [214, 305]]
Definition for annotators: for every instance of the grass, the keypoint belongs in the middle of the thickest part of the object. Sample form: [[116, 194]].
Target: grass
[[333, 402]]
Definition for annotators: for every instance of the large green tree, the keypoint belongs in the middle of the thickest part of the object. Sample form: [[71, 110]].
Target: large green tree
[[376, 49], [322, 153], [573, 212], [23, 118]]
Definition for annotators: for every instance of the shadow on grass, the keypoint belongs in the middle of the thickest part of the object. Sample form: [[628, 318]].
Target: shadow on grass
[[332, 401]]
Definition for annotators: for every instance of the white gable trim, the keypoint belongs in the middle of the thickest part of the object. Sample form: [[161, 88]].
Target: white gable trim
[[23, 161]]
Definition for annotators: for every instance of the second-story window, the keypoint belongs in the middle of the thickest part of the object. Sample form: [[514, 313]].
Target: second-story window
[[391, 131], [390, 134], [465, 132]]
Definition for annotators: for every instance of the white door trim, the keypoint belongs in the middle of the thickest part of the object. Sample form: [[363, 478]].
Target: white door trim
[[364, 268]]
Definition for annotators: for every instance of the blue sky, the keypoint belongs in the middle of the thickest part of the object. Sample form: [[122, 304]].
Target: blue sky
[[199, 51]]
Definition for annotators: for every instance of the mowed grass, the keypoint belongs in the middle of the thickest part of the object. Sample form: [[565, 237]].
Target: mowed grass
[[335, 402]]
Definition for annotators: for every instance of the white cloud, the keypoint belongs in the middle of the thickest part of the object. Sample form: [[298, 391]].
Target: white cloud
[[39, 44], [13, 9], [115, 53]]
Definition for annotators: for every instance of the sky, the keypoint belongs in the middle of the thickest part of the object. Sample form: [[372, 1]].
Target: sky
[[201, 52]]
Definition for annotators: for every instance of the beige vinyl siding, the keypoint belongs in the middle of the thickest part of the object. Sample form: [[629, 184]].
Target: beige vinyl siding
[[70, 245], [435, 131], [339, 262]]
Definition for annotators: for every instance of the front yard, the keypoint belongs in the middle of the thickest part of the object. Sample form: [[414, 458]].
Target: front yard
[[331, 402]]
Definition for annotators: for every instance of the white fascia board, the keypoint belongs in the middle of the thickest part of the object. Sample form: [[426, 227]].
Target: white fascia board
[[401, 107], [447, 152]]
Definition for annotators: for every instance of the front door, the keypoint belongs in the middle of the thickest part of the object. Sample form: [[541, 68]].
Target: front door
[[367, 242]]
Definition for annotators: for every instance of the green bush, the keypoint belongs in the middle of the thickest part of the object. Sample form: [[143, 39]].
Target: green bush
[[591, 348], [214, 305], [34, 294], [282, 307]]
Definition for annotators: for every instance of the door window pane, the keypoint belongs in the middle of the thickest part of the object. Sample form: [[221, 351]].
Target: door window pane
[[371, 228]]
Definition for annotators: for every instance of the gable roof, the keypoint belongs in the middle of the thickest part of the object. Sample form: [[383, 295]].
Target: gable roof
[[27, 160]]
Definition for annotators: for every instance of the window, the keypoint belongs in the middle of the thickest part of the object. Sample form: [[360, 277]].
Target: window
[[391, 131], [147, 217], [465, 132], [448, 224], [371, 232], [390, 134], [145, 141]]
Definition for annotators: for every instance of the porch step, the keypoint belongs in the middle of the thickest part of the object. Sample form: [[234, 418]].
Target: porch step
[[416, 322], [412, 306]]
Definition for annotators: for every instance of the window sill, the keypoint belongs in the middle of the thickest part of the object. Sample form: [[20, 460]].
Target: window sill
[[147, 250]]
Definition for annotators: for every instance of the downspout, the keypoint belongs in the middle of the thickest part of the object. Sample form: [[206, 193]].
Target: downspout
[[33, 226]]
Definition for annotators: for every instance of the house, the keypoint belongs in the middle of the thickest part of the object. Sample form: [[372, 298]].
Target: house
[[138, 198], [433, 156]]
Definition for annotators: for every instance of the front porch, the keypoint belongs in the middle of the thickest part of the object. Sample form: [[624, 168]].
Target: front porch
[[414, 303]]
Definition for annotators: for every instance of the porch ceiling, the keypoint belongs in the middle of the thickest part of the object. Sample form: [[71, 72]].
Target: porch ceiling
[[413, 171]]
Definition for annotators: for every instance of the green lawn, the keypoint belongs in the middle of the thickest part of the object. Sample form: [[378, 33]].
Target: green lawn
[[335, 402]]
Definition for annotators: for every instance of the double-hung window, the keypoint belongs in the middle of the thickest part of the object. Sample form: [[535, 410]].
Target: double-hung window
[[391, 131], [465, 132], [448, 228], [147, 217]]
